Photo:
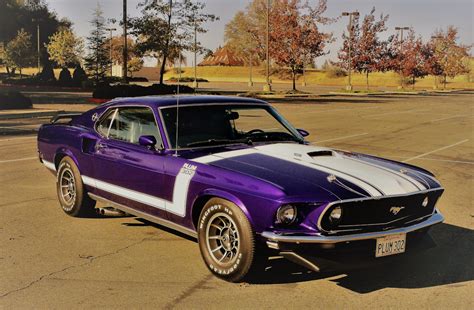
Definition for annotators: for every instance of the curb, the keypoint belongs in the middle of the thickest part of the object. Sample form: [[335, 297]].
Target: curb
[[29, 115]]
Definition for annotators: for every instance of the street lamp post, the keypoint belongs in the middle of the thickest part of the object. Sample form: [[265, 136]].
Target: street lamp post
[[438, 37], [110, 52], [125, 43], [251, 69], [401, 52], [195, 84], [38, 47], [268, 86], [350, 14]]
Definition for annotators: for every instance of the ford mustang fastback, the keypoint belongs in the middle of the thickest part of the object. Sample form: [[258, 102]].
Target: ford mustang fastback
[[239, 177]]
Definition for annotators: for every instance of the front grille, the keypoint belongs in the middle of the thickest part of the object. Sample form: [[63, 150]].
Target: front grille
[[382, 213]]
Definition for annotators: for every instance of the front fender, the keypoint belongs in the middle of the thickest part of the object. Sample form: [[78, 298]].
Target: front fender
[[227, 196]]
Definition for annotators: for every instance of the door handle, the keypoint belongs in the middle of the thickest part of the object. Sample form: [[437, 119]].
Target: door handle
[[99, 146]]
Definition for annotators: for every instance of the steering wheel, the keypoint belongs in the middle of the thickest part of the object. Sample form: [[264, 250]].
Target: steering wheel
[[251, 132]]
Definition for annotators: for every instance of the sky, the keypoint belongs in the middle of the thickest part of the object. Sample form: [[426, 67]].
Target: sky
[[425, 16]]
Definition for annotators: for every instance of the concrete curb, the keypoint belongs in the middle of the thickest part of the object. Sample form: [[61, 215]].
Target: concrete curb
[[29, 114]]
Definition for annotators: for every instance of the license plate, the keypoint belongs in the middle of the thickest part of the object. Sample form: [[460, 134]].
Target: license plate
[[390, 245]]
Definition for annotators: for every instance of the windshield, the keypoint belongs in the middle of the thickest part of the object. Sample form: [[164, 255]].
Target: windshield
[[212, 125]]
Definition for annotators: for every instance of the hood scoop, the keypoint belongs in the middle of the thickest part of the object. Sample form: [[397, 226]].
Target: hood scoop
[[321, 153]]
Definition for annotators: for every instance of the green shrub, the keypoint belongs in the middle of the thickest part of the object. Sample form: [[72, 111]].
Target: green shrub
[[14, 100], [65, 78], [47, 74], [79, 76]]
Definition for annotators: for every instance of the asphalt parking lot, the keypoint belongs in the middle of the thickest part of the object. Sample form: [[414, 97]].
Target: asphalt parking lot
[[50, 260]]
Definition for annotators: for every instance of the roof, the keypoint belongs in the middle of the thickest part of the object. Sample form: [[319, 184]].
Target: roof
[[223, 56], [161, 101]]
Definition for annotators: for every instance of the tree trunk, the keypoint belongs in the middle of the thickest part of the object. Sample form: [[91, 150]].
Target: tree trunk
[[367, 79], [444, 82], [8, 71], [21, 75], [162, 69], [294, 79], [413, 83]]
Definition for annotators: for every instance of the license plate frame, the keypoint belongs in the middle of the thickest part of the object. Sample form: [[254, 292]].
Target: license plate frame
[[390, 245]]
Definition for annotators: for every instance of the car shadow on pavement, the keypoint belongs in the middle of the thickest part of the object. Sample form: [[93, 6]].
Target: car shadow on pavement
[[449, 262]]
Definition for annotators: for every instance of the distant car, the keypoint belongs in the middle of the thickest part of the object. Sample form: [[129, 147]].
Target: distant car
[[235, 174]]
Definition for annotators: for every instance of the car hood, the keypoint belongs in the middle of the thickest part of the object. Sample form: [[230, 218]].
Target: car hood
[[304, 170]]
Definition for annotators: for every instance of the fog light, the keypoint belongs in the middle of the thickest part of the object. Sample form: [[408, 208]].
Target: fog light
[[335, 215], [425, 202], [286, 214]]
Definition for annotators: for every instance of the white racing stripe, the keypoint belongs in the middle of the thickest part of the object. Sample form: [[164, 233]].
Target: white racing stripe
[[180, 192], [373, 179]]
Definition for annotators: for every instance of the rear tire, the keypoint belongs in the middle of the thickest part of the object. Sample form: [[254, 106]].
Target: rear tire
[[72, 195], [226, 240]]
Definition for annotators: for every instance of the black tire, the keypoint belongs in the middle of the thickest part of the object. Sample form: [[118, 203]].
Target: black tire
[[230, 252], [71, 192]]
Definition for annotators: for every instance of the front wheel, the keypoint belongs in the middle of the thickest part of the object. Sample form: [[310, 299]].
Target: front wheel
[[71, 192], [226, 240]]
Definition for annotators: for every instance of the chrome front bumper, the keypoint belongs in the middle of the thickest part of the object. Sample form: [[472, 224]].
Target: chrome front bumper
[[273, 238]]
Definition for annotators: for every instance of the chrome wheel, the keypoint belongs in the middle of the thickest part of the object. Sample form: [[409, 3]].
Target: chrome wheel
[[67, 188], [222, 238]]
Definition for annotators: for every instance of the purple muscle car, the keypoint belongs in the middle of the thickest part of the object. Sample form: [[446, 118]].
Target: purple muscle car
[[235, 174]]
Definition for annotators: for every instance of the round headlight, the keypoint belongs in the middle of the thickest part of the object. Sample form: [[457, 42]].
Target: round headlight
[[286, 214], [335, 215], [425, 202]]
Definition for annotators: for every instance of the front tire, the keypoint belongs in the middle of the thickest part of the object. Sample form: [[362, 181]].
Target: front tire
[[71, 192], [226, 240]]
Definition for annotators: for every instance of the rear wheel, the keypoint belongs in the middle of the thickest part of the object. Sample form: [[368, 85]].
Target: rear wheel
[[226, 240], [71, 192]]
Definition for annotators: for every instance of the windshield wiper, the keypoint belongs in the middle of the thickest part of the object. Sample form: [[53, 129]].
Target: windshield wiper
[[211, 142]]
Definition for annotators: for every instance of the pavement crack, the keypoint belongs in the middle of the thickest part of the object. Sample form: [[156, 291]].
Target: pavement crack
[[89, 261], [188, 292]]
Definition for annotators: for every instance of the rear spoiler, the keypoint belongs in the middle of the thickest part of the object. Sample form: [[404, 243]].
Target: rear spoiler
[[62, 116]]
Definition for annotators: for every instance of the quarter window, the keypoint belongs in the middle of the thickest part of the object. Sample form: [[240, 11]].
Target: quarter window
[[128, 124]]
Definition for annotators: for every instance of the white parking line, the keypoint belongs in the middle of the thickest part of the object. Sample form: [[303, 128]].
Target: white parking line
[[20, 138], [445, 118], [450, 161], [19, 159], [398, 112], [434, 151], [341, 138]]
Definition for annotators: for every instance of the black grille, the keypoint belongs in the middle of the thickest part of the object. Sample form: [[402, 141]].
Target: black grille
[[380, 213]]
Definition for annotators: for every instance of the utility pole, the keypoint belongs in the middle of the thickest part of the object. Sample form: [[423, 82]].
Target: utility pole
[[38, 46], [125, 44], [195, 84], [401, 52], [110, 53], [268, 86], [350, 14], [251, 69]]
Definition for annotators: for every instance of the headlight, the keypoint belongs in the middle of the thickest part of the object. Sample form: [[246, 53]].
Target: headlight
[[335, 215], [286, 214]]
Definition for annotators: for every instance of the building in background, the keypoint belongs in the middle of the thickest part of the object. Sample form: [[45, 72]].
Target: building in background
[[223, 56]]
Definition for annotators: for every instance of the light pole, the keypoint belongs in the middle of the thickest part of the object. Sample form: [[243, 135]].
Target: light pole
[[439, 37], [195, 84], [268, 86], [350, 14], [125, 44], [111, 46], [401, 52], [251, 69], [38, 49]]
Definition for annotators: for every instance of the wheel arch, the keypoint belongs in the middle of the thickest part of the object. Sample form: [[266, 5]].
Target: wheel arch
[[208, 194], [61, 153]]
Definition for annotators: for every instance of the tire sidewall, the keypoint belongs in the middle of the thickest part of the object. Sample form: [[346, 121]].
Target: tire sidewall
[[239, 268], [74, 208]]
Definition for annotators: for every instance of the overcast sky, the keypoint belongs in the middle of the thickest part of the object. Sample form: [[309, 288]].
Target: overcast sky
[[424, 15]]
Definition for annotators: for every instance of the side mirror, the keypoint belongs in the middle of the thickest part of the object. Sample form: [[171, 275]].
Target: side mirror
[[303, 132], [147, 141]]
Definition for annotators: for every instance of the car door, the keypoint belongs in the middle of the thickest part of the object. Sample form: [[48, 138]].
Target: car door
[[126, 172]]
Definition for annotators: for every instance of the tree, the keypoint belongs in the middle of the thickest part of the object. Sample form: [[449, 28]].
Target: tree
[[368, 51], [413, 62], [449, 55], [14, 17], [18, 53], [168, 25], [134, 65], [295, 37], [65, 48], [97, 61], [240, 36]]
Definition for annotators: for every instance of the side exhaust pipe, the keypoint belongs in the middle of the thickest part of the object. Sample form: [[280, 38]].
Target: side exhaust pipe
[[109, 211]]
